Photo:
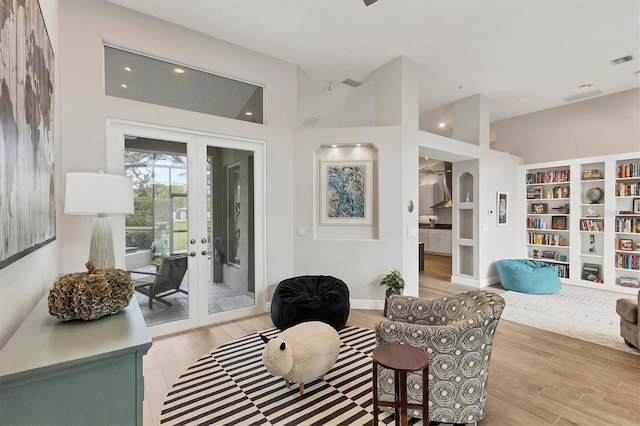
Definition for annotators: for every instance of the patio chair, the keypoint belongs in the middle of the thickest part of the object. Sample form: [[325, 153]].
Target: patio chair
[[165, 282]]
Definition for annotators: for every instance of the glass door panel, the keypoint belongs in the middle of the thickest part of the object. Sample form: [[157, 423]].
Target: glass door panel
[[228, 202], [156, 233]]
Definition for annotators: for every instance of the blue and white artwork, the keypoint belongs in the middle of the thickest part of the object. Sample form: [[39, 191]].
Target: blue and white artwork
[[346, 193], [27, 203]]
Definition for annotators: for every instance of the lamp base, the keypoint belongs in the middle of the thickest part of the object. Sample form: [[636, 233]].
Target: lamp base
[[101, 250]]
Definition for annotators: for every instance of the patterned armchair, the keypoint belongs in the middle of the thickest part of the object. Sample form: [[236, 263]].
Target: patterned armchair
[[456, 333]]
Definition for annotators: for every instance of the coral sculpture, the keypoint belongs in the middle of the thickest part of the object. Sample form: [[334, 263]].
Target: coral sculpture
[[90, 295]]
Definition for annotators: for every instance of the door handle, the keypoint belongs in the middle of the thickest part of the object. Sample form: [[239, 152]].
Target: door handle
[[205, 252], [192, 254]]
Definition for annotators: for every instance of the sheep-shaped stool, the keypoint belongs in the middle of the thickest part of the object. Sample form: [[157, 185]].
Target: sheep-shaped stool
[[302, 352]]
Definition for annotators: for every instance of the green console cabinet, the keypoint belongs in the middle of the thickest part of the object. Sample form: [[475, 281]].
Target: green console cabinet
[[76, 372]]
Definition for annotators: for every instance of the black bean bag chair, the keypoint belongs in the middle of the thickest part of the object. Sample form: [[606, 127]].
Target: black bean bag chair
[[310, 298]]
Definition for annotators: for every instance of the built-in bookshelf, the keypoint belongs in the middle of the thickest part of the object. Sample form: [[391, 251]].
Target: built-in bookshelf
[[583, 217], [591, 222], [548, 192], [627, 223]]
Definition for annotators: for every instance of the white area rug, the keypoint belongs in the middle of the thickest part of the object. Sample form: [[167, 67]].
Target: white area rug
[[578, 312]]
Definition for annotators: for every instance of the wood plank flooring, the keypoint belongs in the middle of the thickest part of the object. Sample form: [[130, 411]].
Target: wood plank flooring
[[536, 377]]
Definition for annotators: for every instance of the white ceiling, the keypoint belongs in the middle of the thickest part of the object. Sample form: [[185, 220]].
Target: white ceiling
[[524, 55]]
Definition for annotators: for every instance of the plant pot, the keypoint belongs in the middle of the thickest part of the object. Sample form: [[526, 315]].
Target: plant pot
[[386, 301]]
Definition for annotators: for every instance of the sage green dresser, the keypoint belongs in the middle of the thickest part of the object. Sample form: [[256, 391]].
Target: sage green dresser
[[76, 372]]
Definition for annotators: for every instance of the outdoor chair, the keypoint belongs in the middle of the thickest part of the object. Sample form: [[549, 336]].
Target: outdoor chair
[[165, 282]]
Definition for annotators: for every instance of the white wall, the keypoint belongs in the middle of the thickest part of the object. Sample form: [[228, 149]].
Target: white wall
[[85, 24], [359, 262], [601, 126], [24, 282]]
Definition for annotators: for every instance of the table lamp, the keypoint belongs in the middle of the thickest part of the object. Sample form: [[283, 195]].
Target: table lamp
[[100, 194]]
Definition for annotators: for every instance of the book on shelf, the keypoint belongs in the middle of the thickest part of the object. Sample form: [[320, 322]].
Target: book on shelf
[[631, 189], [551, 176], [591, 225], [590, 272], [627, 261], [628, 170], [628, 282], [629, 225]]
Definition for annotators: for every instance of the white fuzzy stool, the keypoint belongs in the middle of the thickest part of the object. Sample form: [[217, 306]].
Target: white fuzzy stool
[[302, 352]]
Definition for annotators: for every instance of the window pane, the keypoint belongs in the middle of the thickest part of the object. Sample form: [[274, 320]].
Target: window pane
[[141, 78]]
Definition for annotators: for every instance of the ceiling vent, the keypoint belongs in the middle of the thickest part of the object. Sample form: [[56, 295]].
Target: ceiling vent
[[622, 60], [352, 83], [584, 95]]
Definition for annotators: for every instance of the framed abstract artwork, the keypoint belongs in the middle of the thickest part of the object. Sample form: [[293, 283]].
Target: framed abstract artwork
[[27, 201], [346, 189]]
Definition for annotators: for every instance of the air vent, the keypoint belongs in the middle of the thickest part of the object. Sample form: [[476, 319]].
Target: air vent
[[584, 95], [622, 60], [352, 83]]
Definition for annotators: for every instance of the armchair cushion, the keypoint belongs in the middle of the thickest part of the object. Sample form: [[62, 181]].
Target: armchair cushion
[[627, 309]]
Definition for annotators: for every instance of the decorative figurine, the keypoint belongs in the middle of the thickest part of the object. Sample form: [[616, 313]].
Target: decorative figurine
[[592, 242], [535, 254]]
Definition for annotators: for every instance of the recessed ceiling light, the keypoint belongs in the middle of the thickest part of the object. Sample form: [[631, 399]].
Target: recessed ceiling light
[[334, 146], [442, 124], [127, 69], [178, 70], [249, 113], [585, 86], [124, 86], [426, 158]]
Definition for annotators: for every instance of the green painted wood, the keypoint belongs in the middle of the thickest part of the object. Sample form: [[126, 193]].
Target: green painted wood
[[74, 373]]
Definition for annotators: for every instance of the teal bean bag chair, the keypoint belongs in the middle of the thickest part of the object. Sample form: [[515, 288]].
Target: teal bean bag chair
[[528, 276]]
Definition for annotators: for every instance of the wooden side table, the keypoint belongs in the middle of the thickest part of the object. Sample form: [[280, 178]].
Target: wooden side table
[[401, 359]]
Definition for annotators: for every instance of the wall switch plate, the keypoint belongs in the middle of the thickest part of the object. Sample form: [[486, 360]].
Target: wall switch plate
[[412, 232], [302, 230]]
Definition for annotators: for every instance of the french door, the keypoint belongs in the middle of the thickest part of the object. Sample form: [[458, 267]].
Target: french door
[[200, 196]]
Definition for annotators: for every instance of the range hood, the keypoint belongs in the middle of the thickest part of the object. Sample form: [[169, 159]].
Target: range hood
[[447, 181]]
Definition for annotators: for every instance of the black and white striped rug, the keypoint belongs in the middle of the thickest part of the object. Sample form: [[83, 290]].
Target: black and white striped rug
[[230, 386]]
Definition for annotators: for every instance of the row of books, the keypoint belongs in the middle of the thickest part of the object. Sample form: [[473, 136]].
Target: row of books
[[546, 239], [562, 270], [628, 261], [551, 176], [591, 225], [539, 193], [627, 189], [628, 224], [533, 223], [628, 170], [629, 282]]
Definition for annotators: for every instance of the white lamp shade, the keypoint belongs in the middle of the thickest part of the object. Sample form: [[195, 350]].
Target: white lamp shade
[[88, 193]]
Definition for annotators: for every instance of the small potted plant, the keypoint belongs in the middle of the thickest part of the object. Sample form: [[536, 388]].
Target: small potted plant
[[395, 284]]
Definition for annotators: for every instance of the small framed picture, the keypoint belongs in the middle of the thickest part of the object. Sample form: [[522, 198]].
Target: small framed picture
[[558, 222], [501, 202], [636, 205], [539, 208], [590, 272], [625, 244], [548, 254]]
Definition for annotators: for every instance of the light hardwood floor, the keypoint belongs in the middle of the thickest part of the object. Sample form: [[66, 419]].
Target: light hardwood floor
[[536, 377]]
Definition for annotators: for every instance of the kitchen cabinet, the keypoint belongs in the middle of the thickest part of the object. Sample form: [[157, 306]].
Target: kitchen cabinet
[[438, 241], [422, 235], [426, 199]]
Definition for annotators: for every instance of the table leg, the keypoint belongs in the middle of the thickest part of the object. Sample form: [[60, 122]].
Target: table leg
[[425, 396], [402, 402], [375, 393]]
